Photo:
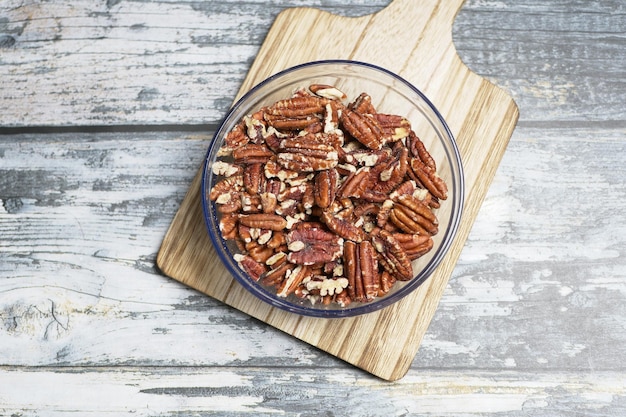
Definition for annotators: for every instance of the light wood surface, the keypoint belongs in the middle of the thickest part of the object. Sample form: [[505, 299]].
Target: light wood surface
[[480, 115], [107, 108]]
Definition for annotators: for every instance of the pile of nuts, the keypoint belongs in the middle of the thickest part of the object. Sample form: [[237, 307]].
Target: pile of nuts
[[327, 201]]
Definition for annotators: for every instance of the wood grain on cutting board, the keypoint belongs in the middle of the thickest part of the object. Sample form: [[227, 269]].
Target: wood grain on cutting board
[[412, 38]]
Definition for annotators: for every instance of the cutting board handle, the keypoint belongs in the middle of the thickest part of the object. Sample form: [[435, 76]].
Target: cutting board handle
[[409, 29], [413, 9], [397, 37]]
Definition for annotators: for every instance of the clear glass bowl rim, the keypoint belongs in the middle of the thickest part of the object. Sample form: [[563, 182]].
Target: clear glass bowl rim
[[212, 223]]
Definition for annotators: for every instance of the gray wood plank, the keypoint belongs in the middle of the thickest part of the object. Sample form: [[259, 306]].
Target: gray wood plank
[[560, 60]]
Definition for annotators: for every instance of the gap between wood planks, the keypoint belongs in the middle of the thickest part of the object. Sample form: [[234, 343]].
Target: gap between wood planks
[[126, 128]]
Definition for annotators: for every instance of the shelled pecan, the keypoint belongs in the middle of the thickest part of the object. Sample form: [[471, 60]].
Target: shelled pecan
[[326, 200]]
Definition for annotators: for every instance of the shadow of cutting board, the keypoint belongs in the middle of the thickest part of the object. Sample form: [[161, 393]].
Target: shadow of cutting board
[[414, 39]]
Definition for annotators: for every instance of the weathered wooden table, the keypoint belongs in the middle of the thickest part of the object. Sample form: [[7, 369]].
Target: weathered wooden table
[[107, 108]]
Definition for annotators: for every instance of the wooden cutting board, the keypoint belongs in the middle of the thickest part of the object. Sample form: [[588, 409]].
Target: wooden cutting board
[[414, 39]]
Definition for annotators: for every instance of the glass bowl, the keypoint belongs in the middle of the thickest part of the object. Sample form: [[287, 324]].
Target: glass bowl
[[390, 94]]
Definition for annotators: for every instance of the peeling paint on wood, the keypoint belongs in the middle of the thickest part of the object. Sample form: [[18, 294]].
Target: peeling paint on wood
[[306, 392]]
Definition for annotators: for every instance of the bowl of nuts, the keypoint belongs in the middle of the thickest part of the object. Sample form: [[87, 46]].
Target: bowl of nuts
[[332, 189]]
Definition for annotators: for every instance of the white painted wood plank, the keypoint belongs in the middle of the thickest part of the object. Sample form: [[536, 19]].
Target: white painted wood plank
[[306, 392]]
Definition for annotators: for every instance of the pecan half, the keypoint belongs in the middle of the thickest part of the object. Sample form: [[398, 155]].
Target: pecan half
[[259, 252], [250, 203], [394, 127], [429, 178], [351, 267], [229, 202], [325, 188], [263, 221], [342, 299], [293, 279], [308, 153], [413, 216], [269, 202], [367, 157], [293, 123], [392, 256], [301, 106], [354, 184], [273, 170], [252, 153], [368, 266], [296, 113], [362, 127], [392, 173], [363, 104], [327, 91], [342, 227], [386, 282], [278, 241], [229, 184], [254, 178], [255, 128], [228, 226], [253, 268], [361, 271], [414, 245], [234, 139], [277, 275], [313, 245], [418, 150]]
